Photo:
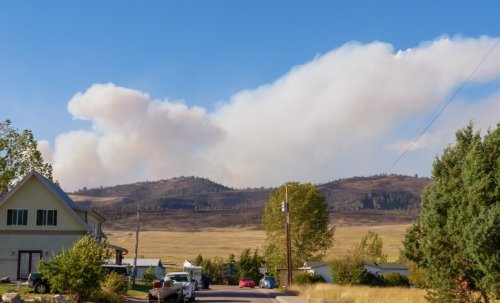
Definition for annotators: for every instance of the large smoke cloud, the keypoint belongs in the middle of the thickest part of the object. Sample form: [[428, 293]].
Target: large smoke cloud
[[348, 112]]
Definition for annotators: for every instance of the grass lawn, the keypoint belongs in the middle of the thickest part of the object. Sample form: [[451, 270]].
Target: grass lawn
[[177, 246], [139, 291]]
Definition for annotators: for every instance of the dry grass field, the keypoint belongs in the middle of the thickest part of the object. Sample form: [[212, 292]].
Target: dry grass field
[[348, 236], [322, 293], [177, 246]]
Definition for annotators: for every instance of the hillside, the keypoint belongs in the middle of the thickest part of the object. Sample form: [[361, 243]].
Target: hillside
[[192, 203]]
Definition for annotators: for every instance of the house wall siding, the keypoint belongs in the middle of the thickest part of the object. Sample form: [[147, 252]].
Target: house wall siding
[[33, 196], [324, 272], [14, 242]]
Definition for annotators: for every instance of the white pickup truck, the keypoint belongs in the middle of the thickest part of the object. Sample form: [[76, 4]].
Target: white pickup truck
[[186, 281]]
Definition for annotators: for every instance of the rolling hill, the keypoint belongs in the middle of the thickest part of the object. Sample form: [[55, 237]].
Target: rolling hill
[[191, 203]]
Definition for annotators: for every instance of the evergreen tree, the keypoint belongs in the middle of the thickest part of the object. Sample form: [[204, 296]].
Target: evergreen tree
[[310, 234], [198, 261], [18, 155], [457, 238], [249, 265]]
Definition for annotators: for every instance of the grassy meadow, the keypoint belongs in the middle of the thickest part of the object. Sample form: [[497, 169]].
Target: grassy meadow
[[177, 246]]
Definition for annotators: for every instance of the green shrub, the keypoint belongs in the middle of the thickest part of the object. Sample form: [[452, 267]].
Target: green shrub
[[395, 279], [370, 279], [107, 297], [307, 278], [78, 272], [232, 280], [416, 275], [115, 284], [149, 275], [348, 269]]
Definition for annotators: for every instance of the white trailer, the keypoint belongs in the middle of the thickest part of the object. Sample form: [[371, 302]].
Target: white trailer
[[194, 271]]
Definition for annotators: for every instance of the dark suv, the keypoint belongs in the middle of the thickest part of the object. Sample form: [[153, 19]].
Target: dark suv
[[121, 270], [38, 283], [41, 285]]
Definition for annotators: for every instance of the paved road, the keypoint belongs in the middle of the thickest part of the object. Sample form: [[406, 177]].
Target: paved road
[[221, 294], [227, 294]]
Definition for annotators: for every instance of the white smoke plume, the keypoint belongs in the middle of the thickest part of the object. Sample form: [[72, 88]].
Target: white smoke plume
[[348, 112]]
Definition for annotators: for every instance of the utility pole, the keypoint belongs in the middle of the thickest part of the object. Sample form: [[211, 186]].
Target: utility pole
[[286, 210], [136, 243]]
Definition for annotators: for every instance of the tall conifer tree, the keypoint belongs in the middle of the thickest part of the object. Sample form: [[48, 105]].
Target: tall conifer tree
[[457, 238]]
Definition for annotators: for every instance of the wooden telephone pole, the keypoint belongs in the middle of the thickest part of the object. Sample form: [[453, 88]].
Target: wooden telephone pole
[[286, 210], [136, 244]]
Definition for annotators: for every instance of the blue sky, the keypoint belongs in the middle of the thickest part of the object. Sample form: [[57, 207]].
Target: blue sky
[[204, 54]]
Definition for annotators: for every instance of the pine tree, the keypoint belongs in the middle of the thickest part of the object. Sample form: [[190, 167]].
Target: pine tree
[[457, 238]]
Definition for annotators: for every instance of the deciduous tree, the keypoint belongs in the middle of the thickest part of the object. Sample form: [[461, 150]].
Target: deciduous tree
[[370, 248], [310, 234], [457, 238], [18, 155]]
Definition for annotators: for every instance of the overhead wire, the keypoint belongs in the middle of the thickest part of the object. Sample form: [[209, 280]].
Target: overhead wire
[[384, 77], [457, 91]]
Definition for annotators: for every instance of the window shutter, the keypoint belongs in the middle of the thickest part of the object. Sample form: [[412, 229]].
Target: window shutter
[[25, 217], [9, 216], [39, 217]]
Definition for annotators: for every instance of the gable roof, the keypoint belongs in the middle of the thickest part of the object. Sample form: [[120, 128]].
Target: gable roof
[[56, 191], [387, 265], [313, 264], [143, 262]]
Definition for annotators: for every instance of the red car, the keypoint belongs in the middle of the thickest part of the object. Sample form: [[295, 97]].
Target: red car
[[246, 282]]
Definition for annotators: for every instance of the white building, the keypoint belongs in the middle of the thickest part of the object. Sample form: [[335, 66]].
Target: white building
[[317, 268], [144, 264]]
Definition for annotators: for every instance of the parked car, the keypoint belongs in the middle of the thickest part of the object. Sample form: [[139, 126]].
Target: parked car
[[38, 283], [187, 282], [246, 282], [267, 282]]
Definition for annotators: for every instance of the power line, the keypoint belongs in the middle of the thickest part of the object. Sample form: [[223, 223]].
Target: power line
[[381, 78], [445, 105]]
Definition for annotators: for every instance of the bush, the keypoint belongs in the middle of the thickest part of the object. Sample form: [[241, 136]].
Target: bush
[[348, 269], [78, 271], [307, 278], [149, 275], [367, 278], [232, 280], [416, 275], [107, 297], [115, 284], [395, 279]]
